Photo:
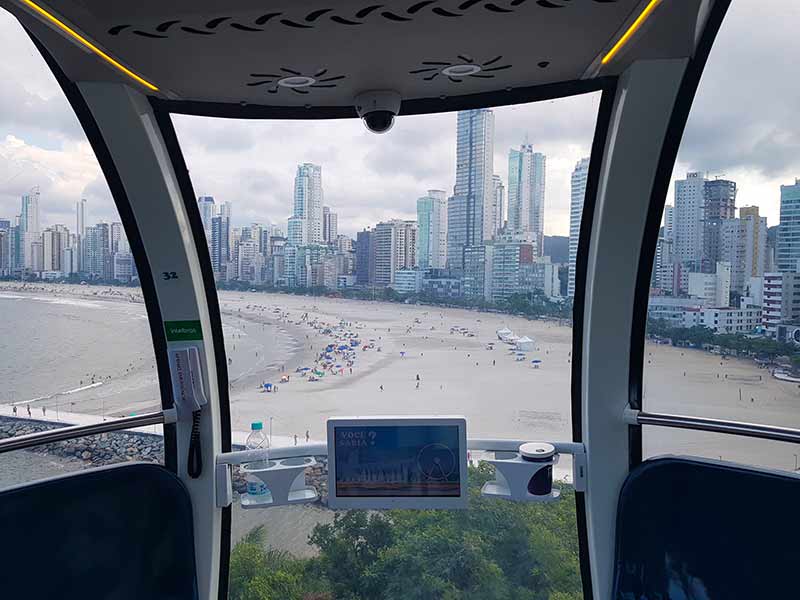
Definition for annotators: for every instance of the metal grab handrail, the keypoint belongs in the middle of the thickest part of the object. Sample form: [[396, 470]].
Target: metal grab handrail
[[38, 438], [754, 430], [487, 445]]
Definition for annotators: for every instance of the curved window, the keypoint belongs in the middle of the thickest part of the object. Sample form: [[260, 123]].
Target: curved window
[[723, 329], [429, 270], [75, 344]]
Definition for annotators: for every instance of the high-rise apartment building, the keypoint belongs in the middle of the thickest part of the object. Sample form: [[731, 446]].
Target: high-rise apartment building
[[669, 222], [55, 240], [98, 252], [365, 257], [743, 243], [308, 200], [760, 236], [432, 230], [537, 203], [780, 299], [719, 197], [787, 258], [395, 249], [498, 205], [330, 225], [474, 171], [220, 243], [689, 219], [506, 257], [526, 185], [577, 194], [457, 208], [4, 252]]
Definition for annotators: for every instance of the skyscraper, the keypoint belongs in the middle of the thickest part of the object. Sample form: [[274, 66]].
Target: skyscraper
[[689, 223], [577, 196], [308, 200], [474, 170], [220, 244], [526, 185], [205, 205], [80, 217], [80, 233], [537, 203], [330, 225], [498, 205], [29, 227], [788, 254], [432, 230]]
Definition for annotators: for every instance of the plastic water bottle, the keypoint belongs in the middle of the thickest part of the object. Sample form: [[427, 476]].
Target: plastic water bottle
[[257, 440]]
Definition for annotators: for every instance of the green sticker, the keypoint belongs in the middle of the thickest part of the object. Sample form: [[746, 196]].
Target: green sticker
[[183, 331]]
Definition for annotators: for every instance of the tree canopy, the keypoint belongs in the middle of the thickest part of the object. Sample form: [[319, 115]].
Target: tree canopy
[[495, 550]]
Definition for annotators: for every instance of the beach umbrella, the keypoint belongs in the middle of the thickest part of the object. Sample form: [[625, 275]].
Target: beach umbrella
[[536, 361]]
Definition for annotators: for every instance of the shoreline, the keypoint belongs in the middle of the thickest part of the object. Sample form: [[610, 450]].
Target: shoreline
[[449, 350]]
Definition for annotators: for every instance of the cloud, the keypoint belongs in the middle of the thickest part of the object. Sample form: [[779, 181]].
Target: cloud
[[743, 124]]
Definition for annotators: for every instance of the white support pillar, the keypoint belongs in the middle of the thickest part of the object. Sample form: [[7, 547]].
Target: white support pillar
[[642, 109], [128, 126]]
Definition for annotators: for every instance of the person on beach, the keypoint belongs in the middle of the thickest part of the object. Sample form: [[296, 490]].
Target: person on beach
[[308, 436], [14, 410], [381, 387], [29, 410], [295, 439]]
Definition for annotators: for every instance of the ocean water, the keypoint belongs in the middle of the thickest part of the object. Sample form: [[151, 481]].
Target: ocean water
[[96, 356]]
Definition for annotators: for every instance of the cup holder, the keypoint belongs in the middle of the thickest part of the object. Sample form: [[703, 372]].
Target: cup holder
[[285, 480]]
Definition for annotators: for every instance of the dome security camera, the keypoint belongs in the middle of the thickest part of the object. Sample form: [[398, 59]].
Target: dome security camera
[[378, 109]]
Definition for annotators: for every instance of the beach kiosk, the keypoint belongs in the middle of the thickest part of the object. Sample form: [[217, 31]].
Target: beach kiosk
[[503, 334], [525, 344]]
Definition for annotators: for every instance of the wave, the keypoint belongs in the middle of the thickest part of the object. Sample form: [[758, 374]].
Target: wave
[[62, 393]]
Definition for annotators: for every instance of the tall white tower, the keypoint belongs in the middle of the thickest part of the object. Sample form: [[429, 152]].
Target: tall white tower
[[308, 200], [577, 196]]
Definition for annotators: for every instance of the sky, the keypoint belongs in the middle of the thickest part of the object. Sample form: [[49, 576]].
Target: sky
[[743, 126]]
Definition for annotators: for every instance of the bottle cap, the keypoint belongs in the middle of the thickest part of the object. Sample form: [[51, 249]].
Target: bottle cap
[[256, 426]]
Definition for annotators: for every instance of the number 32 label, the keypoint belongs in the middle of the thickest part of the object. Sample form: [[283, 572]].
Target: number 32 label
[[167, 275]]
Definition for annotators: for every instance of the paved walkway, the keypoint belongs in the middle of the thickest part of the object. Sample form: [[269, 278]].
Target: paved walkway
[[68, 418]]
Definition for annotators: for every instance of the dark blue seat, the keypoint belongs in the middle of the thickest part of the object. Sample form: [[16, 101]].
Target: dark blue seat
[[694, 530], [117, 533]]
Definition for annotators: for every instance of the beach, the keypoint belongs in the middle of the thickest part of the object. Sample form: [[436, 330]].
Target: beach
[[420, 360]]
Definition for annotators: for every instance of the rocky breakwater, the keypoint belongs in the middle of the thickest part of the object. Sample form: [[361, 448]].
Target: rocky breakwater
[[95, 450], [122, 446]]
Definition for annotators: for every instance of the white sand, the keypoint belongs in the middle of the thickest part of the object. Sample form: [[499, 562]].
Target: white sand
[[506, 400]]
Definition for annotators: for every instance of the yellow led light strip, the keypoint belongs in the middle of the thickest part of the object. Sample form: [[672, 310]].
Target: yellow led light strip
[[629, 33], [87, 44]]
